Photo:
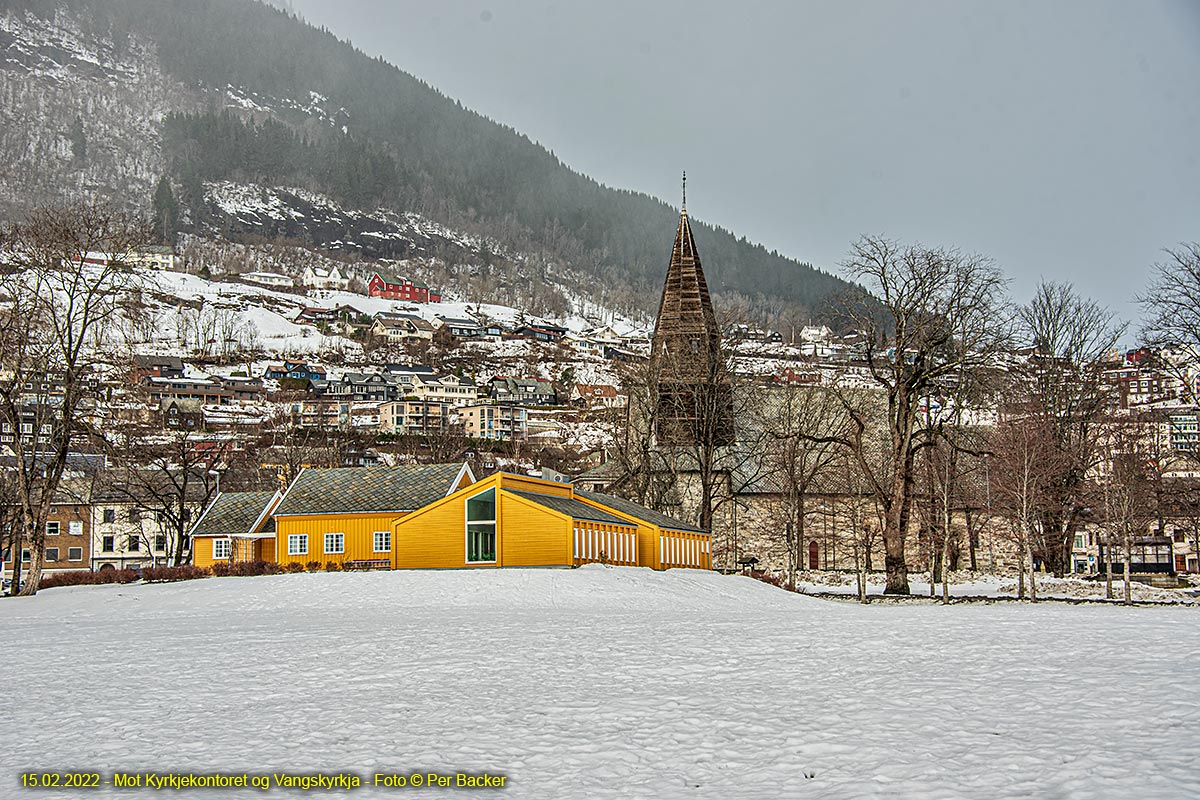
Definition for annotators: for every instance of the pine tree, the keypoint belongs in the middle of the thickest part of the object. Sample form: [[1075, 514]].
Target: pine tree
[[166, 212]]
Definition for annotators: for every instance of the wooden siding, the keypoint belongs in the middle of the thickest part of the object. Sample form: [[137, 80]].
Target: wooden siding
[[241, 550], [660, 548], [531, 535], [595, 542], [435, 536], [358, 529], [684, 549], [202, 547]]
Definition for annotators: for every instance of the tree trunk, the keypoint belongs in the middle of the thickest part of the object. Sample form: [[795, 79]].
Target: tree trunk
[[893, 541], [37, 547], [1128, 567], [1032, 578], [1108, 593], [972, 542], [17, 545]]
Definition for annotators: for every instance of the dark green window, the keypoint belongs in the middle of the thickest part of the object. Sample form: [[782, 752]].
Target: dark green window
[[481, 528]]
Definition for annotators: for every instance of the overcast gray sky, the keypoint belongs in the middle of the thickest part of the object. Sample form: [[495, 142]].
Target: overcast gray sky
[[1060, 138]]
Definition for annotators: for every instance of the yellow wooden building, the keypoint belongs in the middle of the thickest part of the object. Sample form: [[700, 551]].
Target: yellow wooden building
[[345, 515], [236, 526], [663, 541], [515, 521]]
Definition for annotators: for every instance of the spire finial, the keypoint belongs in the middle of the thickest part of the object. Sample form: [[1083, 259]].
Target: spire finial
[[684, 208]]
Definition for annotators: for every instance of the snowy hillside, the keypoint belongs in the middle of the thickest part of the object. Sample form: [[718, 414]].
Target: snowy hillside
[[603, 682]]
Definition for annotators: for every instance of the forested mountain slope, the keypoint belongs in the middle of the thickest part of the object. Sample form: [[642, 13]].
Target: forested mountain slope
[[104, 97]]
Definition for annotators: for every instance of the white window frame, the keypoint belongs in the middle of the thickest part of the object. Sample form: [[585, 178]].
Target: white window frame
[[387, 538], [297, 544], [74, 549], [340, 544], [50, 550], [467, 522], [75, 527], [228, 547], [57, 527]]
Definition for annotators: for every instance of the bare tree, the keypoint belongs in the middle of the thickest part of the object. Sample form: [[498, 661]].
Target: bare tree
[[1069, 336], [1128, 491], [935, 315], [64, 278], [800, 425], [1172, 306], [1026, 462]]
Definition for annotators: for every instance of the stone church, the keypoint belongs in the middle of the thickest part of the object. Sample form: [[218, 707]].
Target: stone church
[[691, 449]]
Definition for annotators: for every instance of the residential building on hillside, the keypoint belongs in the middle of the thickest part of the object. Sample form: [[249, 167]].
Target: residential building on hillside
[[153, 366], [592, 395], [374, 386], [460, 327], [499, 422], [398, 327], [414, 417], [523, 391], [445, 388], [271, 279], [295, 371], [156, 257], [397, 287], [332, 277]]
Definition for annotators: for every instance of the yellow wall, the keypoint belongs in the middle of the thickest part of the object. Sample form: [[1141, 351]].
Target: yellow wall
[[527, 534], [202, 551], [435, 536], [359, 530], [532, 535], [242, 549]]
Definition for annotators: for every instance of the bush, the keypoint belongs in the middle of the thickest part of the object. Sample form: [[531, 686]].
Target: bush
[[294, 567], [184, 572], [83, 577], [222, 569], [251, 568], [313, 566], [333, 566]]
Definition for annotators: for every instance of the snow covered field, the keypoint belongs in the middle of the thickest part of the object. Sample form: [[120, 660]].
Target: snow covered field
[[600, 682]]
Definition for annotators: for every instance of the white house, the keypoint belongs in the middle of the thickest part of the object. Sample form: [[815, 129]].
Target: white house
[[321, 278], [272, 279]]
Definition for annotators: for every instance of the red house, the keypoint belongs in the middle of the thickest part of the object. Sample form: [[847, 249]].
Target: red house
[[395, 287]]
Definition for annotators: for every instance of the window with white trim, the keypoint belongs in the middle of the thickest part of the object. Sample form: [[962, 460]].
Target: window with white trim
[[74, 554], [222, 548], [297, 544], [52, 554], [53, 527], [481, 528], [383, 541], [75, 527], [335, 543]]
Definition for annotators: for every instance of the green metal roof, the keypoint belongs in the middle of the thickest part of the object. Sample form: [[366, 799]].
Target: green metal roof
[[571, 507], [232, 513], [367, 490]]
